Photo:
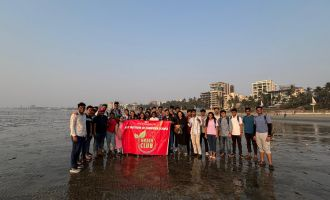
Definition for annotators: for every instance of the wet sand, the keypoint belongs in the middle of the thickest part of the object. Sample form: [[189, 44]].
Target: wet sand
[[35, 150]]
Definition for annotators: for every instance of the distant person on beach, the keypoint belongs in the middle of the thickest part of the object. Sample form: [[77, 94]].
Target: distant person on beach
[[203, 134], [154, 117], [225, 127], [236, 132], [78, 134], [111, 131], [180, 130], [248, 121], [263, 129], [100, 127], [195, 133], [212, 134]]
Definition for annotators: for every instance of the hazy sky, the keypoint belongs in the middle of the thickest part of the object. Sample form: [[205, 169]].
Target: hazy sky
[[60, 52]]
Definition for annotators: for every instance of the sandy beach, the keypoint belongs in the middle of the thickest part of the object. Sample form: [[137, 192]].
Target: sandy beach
[[35, 146]]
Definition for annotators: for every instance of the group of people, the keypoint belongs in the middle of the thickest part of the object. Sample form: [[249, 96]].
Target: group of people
[[187, 133]]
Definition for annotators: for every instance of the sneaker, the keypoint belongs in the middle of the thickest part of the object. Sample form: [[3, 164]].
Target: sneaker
[[271, 168], [80, 167], [207, 154], [74, 171]]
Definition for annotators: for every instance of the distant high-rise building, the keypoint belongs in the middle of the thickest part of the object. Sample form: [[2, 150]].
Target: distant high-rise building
[[217, 93], [206, 98], [261, 87]]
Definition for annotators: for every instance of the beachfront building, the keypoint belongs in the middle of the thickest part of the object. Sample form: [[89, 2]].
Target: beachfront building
[[262, 87], [285, 92], [233, 100], [206, 98], [217, 92]]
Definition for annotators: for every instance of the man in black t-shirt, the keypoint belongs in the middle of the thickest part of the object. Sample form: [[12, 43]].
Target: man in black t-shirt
[[89, 127], [100, 129]]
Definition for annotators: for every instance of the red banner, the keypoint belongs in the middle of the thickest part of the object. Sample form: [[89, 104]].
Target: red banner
[[146, 137]]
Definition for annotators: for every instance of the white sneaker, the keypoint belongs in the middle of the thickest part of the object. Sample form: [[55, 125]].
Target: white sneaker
[[207, 154], [80, 167], [74, 171]]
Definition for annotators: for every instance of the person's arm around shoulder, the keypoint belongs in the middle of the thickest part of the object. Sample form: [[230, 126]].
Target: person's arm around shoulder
[[230, 127], [240, 126], [73, 123]]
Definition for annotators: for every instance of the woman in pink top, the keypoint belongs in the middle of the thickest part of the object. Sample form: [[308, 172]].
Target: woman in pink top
[[211, 130], [119, 131]]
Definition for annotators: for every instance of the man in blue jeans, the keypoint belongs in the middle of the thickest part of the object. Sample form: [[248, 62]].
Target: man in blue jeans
[[225, 131], [78, 134]]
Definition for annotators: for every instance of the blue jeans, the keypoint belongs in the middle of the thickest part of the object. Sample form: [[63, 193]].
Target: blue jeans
[[76, 150], [225, 145], [111, 141], [212, 142], [99, 141]]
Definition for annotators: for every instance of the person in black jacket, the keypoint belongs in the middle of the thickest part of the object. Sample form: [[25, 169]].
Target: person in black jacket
[[181, 134]]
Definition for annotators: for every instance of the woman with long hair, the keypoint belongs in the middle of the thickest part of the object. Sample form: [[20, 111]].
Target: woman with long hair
[[211, 130], [181, 134]]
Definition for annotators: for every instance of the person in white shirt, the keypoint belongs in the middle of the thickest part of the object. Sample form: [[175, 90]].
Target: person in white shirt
[[154, 117], [195, 133], [236, 132], [78, 134]]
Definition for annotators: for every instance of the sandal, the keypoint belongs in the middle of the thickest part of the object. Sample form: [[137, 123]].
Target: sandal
[[262, 163]]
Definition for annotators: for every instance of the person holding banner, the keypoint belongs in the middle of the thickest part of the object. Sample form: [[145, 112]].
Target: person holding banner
[[212, 134], [181, 133], [195, 132], [169, 117]]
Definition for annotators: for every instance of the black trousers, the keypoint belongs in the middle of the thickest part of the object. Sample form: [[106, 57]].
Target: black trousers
[[190, 149], [206, 143], [249, 140], [237, 139]]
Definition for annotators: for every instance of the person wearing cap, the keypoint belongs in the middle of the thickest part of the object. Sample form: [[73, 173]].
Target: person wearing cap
[[263, 135], [100, 128], [78, 133]]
